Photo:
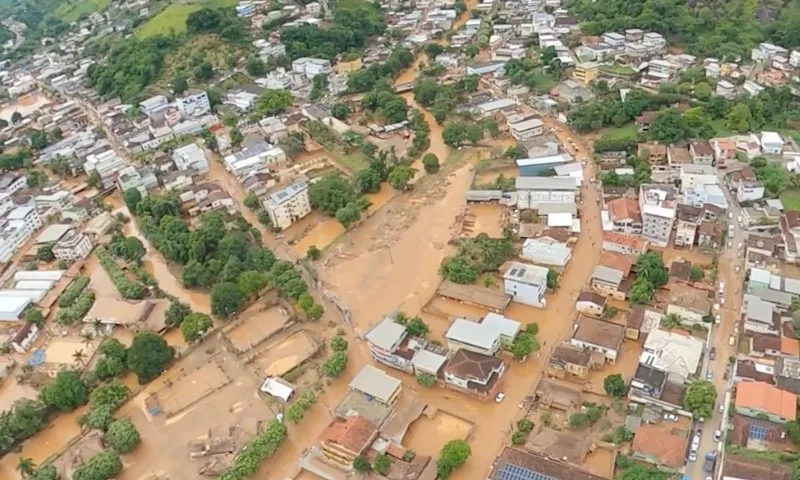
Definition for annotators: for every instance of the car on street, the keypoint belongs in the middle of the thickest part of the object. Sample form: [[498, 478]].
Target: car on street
[[712, 354], [730, 215], [710, 462], [671, 417], [709, 374], [717, 320], [500, 397], [721, 408], [692, 456], [730, 244], [717, 435], [740, 245]]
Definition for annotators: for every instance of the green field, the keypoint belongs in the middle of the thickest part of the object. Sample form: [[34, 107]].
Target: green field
[[173, 18], [618, 69], [355, 162], [791, 200], [71, 11], [625, 131], [720, 130]]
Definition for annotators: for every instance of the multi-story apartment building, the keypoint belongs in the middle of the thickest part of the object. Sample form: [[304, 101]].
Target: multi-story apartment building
[[107, 164], [190, 157], [312, 67], [16, 228], [286, 206], [73, 245], [194, 103], [586, 72], [657, 204]]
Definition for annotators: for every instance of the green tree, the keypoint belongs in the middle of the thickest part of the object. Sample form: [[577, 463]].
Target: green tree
[[111, 394], [651, 266], [16, 117], [339, 344], [315, 312], [702, 91], [417, 328], [332, 193], [382, 464], [518, 437], [696, 273], [578, 421], [34, 315], [148, 356], [236, 137], [67, 393], [454, 134], [457, 270], [45, 253], [615, 386], [426, 379], [430, 162], [593, 414], [251, 201], [739, 119], [123, 436], [313, 252], [26, 467], [204, 71], [194, 325], [102, 466], [99, 418], [255, 67], [226, 299], [335, 365], [340, 111], [94, 180], [524, 345], [552, 279], [453, 456], [793, 431], [641, 291], [134, 249], [700, 398], [400, 176], [47, 472], [669, 127], [361, 464], [176, 312], [35, 178], [348, 215], [132, 198], [179, 84], [621, 435], [273, 102]]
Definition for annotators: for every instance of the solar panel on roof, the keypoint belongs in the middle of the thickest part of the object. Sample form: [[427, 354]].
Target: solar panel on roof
[[758, 433], [513, 272], [522, 271], [515, 472]]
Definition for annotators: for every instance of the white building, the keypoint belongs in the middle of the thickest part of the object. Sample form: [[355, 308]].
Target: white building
[[695, 175], [526, 283], [190, 157], [253, 159], [73, 245], [475, 337], [246, 9], [726, 89], [11, 182], [526, 129], [107, 164], [288, 205], [194, 103], [16, 228], [153, 105], [771, 143], [312, 67], [242, 100], [658, 214]]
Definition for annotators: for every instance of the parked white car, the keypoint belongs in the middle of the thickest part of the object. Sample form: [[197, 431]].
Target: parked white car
[[500, 397]]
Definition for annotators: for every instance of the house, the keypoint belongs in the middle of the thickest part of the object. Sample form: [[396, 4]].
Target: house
[[586, 72], [598, 335], [756, 399], [568, 359], [625, 215], [654, 153], [73, 245], [701, 152], [153, 105], [526, 283], [288, 205], [344, 439], [725, 89], [676, 158], [572, 92], [771, 143], [692, 175], [551, 255], [641, 321], [142, 179], [17, 226], [609, 282], [254, 158], [190, 156], [790, 232], [476, 337], [590, 303], [759, 316], [474, 373], [526, 129], [627, 244], [740, 467], [486, 68], [661, 445], [745, 184], [24, 338], [375, 383], [514, 463], [673, 352], [312, 67], [688, 303], [508, 329], [12, 182], [686, 226], [787, 374], [384, 339], [193, 103], [657, 204], [645, 120]]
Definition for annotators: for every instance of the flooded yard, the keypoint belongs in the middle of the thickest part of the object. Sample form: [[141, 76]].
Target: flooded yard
[[100, 283], [490, 175], [257, 324], [427, 436], [278, 359], [488, 218], [25, 105], [600, 462]]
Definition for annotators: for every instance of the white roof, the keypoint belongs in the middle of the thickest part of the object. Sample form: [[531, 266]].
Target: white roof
[[471, 333], [759, 275], [673, 352], [546, 183], [34, 284], [427, 360], [39, 275], [560, 158], [33, 295], [526, 273], [526, 124], [376, 383], [497, 104], [14, 305], [386, 334], [504, 325], [658, 211], [53, 233], [771, 137], [278, 388], [559, 220]]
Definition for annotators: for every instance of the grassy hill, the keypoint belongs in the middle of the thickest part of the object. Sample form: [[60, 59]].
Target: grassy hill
[[70, 11], [173, 18]]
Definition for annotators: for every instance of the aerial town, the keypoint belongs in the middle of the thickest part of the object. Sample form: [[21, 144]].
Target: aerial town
[[403, 240]]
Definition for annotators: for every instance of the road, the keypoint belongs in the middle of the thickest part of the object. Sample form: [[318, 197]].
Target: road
[[720, 335]]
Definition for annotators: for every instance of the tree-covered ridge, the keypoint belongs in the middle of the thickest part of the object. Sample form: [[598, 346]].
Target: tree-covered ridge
[[719, 29]]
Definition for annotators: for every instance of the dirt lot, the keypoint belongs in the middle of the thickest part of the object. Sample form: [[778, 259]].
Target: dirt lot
[[279, 358], [488, 218], [427, 435], [164, 450], [100, 282], [626, 364], [257, 324], [182, 393]]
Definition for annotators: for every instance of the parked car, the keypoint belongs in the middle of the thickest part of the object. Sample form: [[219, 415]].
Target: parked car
[[721, 407], [500, 397], [712, 354], [709, 374], [711, 461], [717, 435], [692, 456], [671, 417]]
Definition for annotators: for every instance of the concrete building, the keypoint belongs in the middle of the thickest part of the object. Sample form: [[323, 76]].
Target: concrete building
[[474, 373], [107, 164], [384, 340], [190, 157], [551, 255], [758, 399], [288, 205], [345, 439], [586, 72], [312, 67], [526, 129], [657, 204], [16, 228], [153, 105], [254, 158], [693, 175], [508, 329], [599, 336], [73, 245], [771, 143], [377, 384], [526, 283], [476, 337], [193, 103], [675, 353]]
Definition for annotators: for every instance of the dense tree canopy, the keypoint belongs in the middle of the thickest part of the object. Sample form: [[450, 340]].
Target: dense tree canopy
[[67, 393], [453, 456], [148, 356], [700, 398], [131, 65]]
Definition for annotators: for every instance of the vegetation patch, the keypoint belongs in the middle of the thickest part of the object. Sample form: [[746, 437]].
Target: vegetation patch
[[476, 256], [70, 12], [791, 200], [173, 18]]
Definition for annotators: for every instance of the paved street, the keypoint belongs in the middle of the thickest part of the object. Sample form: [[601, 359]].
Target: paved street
[[720, 334]]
